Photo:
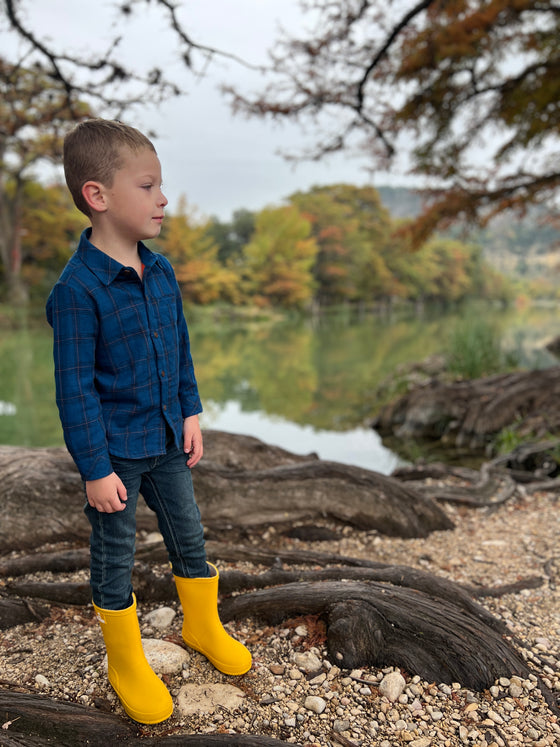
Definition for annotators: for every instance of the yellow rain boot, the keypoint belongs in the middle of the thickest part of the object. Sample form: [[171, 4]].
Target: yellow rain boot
[[143, 695], [202, 629]]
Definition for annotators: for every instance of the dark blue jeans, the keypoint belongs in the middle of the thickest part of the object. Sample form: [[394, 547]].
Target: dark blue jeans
[[165, 483]]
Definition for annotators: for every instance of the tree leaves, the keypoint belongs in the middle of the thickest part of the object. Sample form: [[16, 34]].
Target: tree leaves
[[468, 90]]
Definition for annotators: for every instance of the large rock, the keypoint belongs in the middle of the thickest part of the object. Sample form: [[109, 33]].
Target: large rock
[[471, 413]]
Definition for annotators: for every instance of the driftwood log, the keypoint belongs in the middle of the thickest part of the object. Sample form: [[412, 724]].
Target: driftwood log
[[38, 721], [242, 482], [470, 413], [528, 468], [376, 624], [487, 488]]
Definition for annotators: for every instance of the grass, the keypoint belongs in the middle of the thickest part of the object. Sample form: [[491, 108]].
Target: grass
[[474, 349]]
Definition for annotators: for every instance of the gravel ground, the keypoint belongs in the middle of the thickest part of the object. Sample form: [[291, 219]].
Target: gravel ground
[[294, 694]]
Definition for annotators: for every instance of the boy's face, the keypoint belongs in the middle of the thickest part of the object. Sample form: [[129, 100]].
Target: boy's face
[[135, 202]]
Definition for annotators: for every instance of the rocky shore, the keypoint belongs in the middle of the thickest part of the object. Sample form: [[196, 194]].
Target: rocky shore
[[293, 693]]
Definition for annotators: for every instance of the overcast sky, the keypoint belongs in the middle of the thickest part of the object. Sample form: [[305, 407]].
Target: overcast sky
[[219, 162]]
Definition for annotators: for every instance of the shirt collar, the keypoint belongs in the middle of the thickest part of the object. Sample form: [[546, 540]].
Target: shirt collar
[[104, 267]]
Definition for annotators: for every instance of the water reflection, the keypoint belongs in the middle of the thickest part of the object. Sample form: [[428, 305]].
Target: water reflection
[[328, 376], [7, 408], [359, 446]]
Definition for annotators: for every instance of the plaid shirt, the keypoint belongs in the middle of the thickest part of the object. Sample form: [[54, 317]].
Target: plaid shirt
[[123, 367]]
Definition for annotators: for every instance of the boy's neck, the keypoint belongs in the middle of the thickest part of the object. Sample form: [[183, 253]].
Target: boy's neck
[[124, 252]]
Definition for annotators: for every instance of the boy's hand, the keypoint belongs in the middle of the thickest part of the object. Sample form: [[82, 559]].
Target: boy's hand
[[192, 437], [107, 495]]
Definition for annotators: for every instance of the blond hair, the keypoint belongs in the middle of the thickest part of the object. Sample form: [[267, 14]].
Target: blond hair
[[94, 151]]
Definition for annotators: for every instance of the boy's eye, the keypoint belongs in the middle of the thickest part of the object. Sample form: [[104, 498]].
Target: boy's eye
[[147, 186]]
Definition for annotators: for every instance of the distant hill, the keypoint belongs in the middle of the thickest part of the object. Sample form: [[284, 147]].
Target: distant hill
[[401, 202], [527, 247]]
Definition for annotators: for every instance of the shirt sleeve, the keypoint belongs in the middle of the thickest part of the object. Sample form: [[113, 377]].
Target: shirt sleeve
[[73, 317]]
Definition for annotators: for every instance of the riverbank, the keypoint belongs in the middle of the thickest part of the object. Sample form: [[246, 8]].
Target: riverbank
[[295, 694]]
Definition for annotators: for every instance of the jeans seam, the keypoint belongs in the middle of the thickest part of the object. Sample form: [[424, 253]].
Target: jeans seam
[[163, 512]]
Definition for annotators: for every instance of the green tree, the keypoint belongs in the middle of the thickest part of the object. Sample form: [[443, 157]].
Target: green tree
[[232, 237], [187, 243], [449, 271], [279, 258], [469, 89]]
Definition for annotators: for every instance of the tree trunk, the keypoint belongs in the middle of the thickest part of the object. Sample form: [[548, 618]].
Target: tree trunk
[[10, 238]]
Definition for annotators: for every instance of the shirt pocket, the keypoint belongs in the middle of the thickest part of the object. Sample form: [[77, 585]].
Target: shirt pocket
[[123, 339], [164, 315]]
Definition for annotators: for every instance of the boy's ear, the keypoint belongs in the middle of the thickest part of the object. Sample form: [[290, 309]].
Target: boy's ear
[[94, 194]]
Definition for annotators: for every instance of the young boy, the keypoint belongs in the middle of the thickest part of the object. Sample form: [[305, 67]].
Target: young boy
[[128, 402]]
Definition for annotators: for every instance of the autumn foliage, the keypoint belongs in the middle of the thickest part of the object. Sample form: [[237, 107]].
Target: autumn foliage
[[329, 246]]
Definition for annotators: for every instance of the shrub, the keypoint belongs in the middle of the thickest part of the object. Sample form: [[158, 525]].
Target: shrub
[[474, 349]]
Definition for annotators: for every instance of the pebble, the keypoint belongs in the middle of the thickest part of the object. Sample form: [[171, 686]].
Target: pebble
[[163, 656], [315, 704], [42, 681], [160, 618], [206, 699], [392, 685], [339, 726], [307, 661]]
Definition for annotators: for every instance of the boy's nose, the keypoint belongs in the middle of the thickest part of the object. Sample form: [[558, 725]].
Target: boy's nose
[[163, 199]]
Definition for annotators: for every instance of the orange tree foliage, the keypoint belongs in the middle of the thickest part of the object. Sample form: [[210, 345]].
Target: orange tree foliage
[[468, 89], [50, 226], [351, 228]]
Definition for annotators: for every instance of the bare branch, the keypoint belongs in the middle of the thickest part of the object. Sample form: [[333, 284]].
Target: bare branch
[[403, 23], [105, 78], [203, 48]]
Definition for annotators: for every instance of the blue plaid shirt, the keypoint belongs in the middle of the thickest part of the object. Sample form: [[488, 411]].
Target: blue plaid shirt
[[123, 367]]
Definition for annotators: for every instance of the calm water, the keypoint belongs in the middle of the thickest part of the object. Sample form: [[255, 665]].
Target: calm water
[[308, 387]]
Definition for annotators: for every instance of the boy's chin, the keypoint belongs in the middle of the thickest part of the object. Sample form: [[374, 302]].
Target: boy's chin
[[156, 230]]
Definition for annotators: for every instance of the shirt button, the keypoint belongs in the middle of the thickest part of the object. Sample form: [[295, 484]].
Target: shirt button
[[162, 373], [165, 407], [156, 334]]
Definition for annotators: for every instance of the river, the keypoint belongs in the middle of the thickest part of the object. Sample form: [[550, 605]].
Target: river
[[306, 385]]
